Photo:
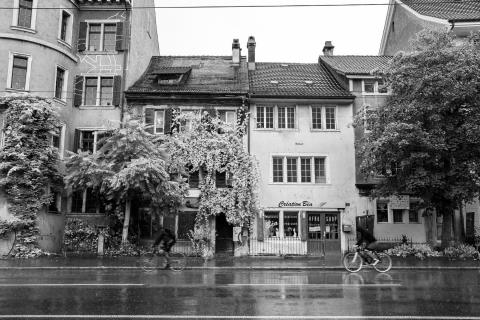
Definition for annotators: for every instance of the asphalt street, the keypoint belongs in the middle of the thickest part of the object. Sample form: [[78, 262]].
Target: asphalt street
[[239, 294]]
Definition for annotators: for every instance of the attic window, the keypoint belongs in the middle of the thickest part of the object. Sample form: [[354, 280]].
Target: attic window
[[169, 78], [274, 82], [284, 65], [308, 82]]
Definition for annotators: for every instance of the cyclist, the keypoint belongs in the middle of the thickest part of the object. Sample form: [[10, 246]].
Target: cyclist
[[165, 240], [366, 240]]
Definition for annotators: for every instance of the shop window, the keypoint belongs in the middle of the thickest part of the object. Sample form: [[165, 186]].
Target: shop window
[[382, 212], [186, 222], [271, 224], [413, 216], [290, 224], [331, 226], [397, 216]]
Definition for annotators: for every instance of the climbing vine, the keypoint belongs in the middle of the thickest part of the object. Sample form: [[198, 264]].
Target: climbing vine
[[205, 144], [28, 164]]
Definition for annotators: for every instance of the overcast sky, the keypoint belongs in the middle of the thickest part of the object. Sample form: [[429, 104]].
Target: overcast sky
[[282, 34]]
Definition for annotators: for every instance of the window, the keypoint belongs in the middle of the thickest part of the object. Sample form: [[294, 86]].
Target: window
[[372, 86], [194, 179], [265, 117], [86, 201], [25, 13], [290, 224], [102, 37], [19, 71], [298, 169], [229, 117], [60, 83], [369, 86], [292, 170], [223, 179], [397, 216], [98, 91], [57, 140], [316, 117], [277, 169], [324, 118], [186, 222], [286, 117], [272, 223], [159, 121], [413, 216], [88, 140], [382, 212], [65, 28], [169, 78]]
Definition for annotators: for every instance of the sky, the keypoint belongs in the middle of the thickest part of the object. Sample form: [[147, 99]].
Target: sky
[[282, 34]]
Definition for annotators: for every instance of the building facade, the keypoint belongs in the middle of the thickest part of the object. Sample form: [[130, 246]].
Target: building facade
[[82, 55]]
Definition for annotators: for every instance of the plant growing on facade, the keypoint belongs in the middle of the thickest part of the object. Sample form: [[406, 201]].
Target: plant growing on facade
[[212, 147], [129, 165], [29, 166], [200, 237], [424, 141]]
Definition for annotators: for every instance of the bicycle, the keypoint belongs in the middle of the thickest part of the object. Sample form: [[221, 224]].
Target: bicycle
[[354, 261], [153, 261]]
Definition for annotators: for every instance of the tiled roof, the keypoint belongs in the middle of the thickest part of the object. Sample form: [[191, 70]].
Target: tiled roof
[[209, 74], [294, 80], [356, 65], [449, 10]]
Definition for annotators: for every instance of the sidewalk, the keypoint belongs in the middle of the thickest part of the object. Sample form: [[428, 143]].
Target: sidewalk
[[248, 263]]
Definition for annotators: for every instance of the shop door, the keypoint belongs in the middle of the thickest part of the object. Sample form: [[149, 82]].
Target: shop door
[[323, 234], [224, 235]]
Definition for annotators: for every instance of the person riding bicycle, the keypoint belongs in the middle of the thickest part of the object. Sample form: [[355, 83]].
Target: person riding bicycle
[[165, 240], [366, 240]]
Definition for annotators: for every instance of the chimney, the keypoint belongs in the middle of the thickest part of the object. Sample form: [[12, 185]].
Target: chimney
[[251, 52], [328, 48], [236, 52]]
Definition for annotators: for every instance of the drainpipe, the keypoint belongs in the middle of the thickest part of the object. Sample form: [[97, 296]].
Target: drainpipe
[[125, 63]]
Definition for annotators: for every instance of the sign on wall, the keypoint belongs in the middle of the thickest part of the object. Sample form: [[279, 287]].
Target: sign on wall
[[400, 202], [283, 204]]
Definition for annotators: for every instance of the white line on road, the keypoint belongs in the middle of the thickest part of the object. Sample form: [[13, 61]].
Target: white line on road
[[318, 285], [103, 316], [71, 284]]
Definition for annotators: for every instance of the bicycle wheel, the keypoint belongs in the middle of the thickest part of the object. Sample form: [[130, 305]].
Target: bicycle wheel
[[149, 263], [352, 262], [177, 261], [384, 264]]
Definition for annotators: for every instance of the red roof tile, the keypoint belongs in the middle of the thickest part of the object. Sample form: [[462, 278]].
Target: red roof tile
[[447, 9], [356, 65]]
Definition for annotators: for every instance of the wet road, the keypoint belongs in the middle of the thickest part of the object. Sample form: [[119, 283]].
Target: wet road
[[234, 294]]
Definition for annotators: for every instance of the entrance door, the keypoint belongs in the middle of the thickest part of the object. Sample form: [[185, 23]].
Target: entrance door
[[224, 235], [323, 234]]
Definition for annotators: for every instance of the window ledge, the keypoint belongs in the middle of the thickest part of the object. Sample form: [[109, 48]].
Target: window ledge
[[24, 29], [301, 184], [96, 107], [374, 93], [63, 102], [98, 52], [17, 90], [383, 222], [325, 130], [264, 129], [65, 43]]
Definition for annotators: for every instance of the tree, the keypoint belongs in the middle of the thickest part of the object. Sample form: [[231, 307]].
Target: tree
[[211, 147], [130, 164], [29, 166], [426, 138]]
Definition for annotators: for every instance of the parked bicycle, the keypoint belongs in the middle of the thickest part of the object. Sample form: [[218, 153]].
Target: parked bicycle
[[354, 261], [158, 260]]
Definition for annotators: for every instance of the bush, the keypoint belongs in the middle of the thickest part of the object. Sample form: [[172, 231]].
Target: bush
[[461, 251], [80, 236], [420, 251]]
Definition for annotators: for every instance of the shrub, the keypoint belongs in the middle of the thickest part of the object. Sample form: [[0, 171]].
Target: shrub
[[461, 251], [200, 238], [420, 251], [80, 236]]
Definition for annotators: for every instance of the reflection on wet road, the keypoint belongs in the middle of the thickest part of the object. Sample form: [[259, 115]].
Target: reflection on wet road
[[229, 294]]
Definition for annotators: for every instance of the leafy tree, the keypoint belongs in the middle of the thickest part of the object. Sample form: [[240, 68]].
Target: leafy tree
[[28, 165], [130, 164], [427, 135], [212, 147]]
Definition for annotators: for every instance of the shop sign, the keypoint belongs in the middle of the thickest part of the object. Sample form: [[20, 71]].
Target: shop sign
[[400, 202], [314, 229], [305, 203]]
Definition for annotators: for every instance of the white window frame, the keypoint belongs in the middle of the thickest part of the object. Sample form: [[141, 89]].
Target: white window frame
[[102, 30], [323, 114], [389, 214], [155, 110], [265, 117], [16, 11], [298, 156], [11, 56], [65, 83], [226, 117], [95, 137], [375, 88], [276, 113], [99, 83], [69, 32], [281, 223]]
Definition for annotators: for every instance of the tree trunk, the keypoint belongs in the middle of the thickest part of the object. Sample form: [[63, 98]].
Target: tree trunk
[[447, 227], [461, 236], [126, 221]]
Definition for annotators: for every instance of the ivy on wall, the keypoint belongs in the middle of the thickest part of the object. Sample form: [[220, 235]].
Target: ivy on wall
[[28, 165]]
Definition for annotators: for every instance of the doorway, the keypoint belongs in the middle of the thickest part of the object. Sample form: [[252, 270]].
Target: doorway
[[323, 234], [224, 235]]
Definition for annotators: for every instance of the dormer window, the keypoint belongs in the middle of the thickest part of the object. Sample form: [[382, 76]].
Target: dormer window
[[171, 75], [169, 78]]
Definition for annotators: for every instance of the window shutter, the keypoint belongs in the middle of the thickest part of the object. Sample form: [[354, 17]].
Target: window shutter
[[82, 37], [117, 90], [149, 119], [120, 41], [260, 228], [77, 95], [76, 140], [168, 120], [304, 225]]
